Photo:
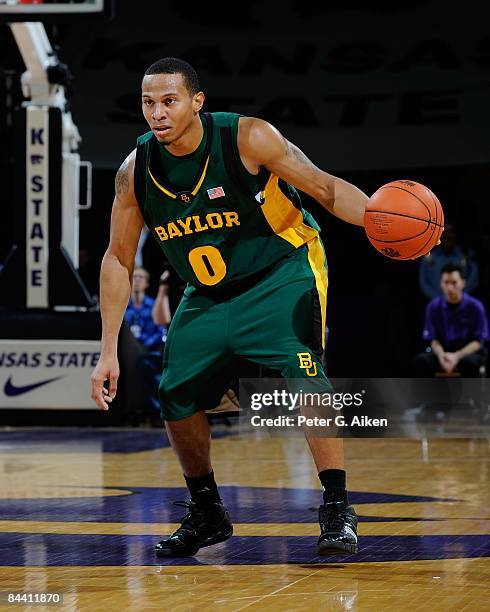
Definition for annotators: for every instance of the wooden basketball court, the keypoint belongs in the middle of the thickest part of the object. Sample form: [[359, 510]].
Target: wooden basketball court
[[81, 509]]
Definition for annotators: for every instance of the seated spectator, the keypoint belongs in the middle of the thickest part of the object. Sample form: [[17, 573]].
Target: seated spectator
[[138, 313], [456, 326], [449, 252], [150, 363]]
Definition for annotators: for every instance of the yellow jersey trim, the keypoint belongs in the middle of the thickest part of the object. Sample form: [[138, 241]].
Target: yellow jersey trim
[[203, 175], [173, 195], [282, 215], [316, 259], [165, 191]]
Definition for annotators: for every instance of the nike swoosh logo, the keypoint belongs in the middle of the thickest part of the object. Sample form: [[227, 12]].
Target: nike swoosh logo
[[12, 390]]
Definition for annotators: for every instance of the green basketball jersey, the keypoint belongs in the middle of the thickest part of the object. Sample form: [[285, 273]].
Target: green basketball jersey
[[216, 223]]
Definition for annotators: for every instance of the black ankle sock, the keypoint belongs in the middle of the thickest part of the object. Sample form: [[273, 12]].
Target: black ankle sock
[[333, 483], [203, 489]]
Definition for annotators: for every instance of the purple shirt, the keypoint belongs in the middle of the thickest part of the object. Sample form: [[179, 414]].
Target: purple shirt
[[455, 326]]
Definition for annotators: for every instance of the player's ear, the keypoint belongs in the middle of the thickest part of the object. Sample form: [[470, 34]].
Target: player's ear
[[198, 101]]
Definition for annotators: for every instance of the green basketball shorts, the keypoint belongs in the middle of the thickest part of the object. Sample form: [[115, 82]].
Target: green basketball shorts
[[276, 321]]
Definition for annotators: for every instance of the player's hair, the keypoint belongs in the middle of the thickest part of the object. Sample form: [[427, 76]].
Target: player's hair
[[174, 65], [449, 268]]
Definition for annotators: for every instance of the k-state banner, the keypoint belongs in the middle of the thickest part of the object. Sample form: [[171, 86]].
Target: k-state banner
[[47, 373]]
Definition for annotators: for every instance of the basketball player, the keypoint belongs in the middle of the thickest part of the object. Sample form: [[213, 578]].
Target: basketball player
[[217, 192]]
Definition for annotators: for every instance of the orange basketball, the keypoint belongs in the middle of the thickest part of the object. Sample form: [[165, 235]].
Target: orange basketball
[[404, 220]]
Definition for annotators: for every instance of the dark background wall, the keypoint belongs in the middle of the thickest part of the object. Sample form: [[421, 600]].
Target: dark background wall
[[371, 91]]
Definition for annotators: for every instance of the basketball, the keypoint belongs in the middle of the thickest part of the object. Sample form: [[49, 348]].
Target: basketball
[[404, 220]]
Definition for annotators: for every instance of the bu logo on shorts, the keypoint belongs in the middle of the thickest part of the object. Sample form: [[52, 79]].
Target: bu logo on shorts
[[306, 363]]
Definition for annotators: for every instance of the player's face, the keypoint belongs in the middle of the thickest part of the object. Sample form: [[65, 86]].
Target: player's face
[[452, 286], [167, 106]]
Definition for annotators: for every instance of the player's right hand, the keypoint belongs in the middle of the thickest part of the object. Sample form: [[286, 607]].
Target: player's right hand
[[107, 368]]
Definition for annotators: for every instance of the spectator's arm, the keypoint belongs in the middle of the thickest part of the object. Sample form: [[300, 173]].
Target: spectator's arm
[[470, 348], [481, 327], [161, 308], [437, 349], [429, 334]]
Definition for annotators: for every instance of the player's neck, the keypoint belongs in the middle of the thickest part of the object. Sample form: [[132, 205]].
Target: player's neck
[[190, 139]]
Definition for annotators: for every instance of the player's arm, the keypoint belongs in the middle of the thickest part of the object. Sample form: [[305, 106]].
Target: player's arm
[[261, 144], [116, 275]]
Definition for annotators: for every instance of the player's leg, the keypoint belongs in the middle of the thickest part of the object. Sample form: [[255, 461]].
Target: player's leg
[[191, 442], [196, 365], [281, 325], [327, 453]]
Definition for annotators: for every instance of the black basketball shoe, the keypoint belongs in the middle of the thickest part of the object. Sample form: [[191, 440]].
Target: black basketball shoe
[[338, 529], [201, 526]]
